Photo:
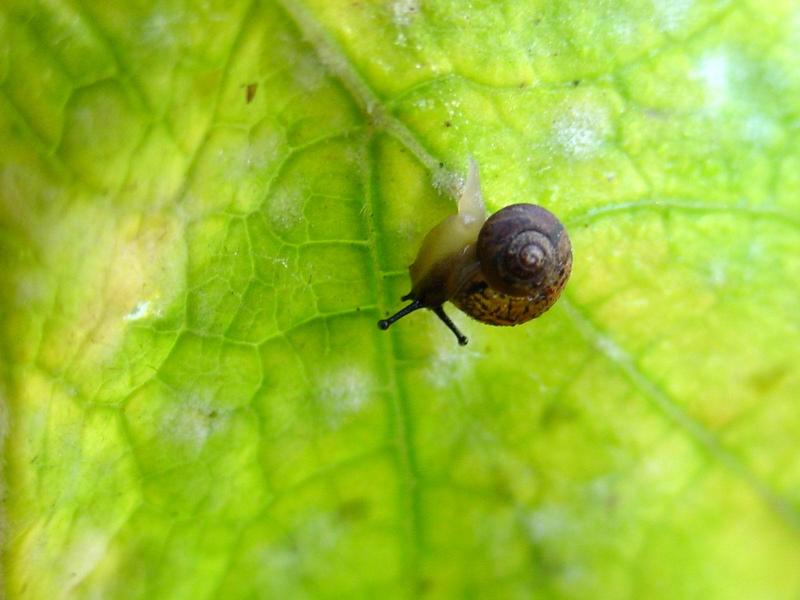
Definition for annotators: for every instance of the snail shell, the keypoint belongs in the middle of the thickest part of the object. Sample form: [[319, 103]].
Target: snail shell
[[525, 259], [504, 270]]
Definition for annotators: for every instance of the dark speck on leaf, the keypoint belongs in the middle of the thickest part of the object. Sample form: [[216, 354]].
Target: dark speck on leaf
[[352, 510], [766, 380], [576, 83], [250, 92], [447, 123]]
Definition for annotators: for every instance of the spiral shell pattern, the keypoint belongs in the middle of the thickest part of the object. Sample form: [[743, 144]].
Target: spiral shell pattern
[[525, 260], [525, 251]]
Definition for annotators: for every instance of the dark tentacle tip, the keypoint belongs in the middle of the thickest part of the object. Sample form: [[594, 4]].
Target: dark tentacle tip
[[439, 312], [384, 324]]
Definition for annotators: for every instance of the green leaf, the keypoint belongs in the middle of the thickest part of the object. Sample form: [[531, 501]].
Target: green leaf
[[205, 207]]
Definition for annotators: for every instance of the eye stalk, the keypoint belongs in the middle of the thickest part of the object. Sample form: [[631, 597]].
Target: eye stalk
[[384, 324], [505, 270]]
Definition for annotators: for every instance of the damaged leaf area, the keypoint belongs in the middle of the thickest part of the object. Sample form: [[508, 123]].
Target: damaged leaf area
[[206, 206]]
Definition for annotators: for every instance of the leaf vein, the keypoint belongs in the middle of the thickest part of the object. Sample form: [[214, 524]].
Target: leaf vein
[[674, 413]]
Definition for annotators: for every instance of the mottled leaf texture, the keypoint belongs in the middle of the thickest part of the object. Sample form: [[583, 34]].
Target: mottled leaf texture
[[206, 206]]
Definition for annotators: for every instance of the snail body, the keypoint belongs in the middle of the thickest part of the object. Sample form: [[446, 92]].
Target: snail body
[[504, 270]]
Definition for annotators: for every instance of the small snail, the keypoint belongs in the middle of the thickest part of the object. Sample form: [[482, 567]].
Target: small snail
[[504, 270]]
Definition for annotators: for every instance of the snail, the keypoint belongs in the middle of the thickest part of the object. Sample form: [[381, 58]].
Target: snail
[[504, 270]]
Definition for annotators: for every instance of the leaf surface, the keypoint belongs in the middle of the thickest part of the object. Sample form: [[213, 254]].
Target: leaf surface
[[205, 207]]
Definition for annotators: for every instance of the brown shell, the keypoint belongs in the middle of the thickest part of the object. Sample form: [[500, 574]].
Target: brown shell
[[524, 249], [525, 260]]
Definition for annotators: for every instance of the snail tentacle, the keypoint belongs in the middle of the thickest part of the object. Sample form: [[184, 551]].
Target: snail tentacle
[[462, 339], [386, 323]]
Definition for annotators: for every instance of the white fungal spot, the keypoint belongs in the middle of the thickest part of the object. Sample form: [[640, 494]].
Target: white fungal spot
[[140, 311], [453, 108], [760, 129], [171, 29], [714, 72], [717, 272], [191, 422], [447, 183], [280, 262], [286, 208], [452, 363], [623, 27], [308, 73], [580, 131], [264, 150], [343, 393], [423, 104], [161, 29], [672, 14], [549, 522], [82, 556], [403, 13]]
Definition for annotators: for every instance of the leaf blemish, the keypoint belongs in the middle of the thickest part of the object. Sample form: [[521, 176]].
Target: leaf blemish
[[353, 510], [580, 131], [286, 208], [451, 364], [140, 311], [714, 72], [403, 11], [672, 14], [250, 92], [343, 393]]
